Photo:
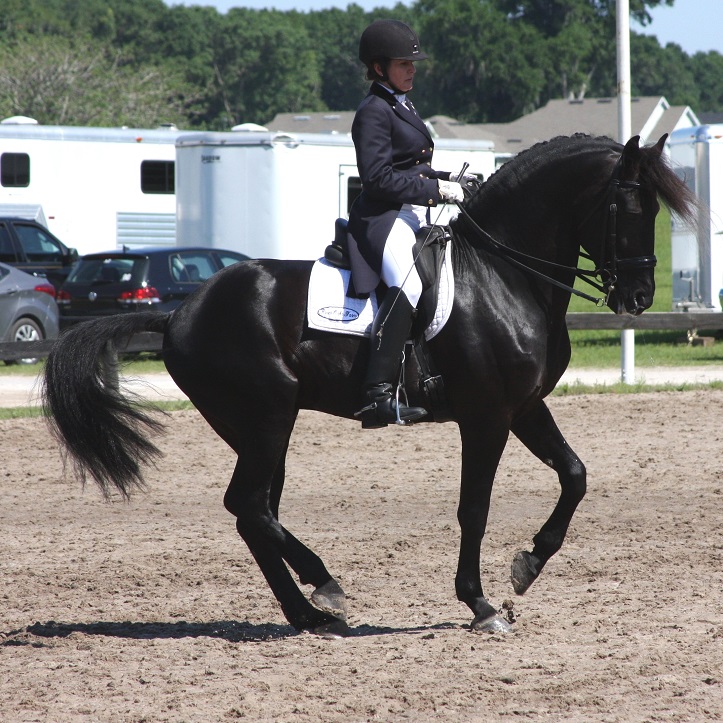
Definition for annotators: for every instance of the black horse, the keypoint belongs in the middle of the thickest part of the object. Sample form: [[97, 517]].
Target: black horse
[[241, 349]]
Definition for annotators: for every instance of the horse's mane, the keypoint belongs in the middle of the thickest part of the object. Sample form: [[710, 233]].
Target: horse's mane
[[672, 190], [655, 172], [543, 155]]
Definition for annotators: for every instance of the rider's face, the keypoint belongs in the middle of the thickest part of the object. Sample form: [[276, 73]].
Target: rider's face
[[401, 74]]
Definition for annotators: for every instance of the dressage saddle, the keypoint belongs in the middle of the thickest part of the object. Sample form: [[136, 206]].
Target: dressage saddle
[[429, 255]]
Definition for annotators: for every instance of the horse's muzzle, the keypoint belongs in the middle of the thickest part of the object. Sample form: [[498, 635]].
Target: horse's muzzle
[[631, 300]]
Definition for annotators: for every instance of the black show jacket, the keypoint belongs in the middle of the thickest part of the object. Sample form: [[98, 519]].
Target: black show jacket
[[394, 156]]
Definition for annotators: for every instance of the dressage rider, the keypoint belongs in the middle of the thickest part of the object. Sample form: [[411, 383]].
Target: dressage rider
[[394, 157]]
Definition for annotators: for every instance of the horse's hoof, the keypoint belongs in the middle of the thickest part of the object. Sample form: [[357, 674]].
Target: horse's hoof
[[524, 572], [330, 598], [491, 624], [333, 630]]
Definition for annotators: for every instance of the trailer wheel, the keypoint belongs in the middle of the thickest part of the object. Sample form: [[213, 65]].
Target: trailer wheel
[[26, 330]]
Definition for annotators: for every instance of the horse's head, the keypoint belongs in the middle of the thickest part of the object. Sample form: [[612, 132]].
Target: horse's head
[[622, 241], [580, 191]]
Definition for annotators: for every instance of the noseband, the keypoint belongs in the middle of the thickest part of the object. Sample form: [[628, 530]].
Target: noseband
[[610, 264]]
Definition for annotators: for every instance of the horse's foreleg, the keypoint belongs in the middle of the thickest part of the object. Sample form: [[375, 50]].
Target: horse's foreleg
[[538, 431], [481, 452]]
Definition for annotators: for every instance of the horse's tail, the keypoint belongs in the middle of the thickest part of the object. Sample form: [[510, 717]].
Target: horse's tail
[[102, 431]]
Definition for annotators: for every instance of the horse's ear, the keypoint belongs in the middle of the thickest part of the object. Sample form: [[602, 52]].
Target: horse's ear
[[632, 146], [631, 159], [661, 144]]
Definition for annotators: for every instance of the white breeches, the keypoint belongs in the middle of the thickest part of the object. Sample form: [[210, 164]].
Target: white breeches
[[398, 261]]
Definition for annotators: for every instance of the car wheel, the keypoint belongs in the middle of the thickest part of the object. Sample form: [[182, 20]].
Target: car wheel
[[26, 330]]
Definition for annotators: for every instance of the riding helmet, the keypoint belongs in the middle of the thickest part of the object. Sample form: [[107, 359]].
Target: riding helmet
[[391, 39]]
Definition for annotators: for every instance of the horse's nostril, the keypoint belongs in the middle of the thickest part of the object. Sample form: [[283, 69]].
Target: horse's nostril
[[640, 303]]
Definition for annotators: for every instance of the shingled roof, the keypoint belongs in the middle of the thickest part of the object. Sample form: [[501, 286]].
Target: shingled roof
[[651, 117], [326, 122]]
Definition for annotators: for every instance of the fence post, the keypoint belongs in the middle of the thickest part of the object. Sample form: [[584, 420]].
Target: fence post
[[622, 26]]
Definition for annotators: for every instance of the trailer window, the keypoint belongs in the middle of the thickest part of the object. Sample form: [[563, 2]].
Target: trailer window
[[158, 177], [15, 170]]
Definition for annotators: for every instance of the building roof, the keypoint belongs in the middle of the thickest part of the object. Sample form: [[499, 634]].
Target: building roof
[[710, 119], [324, 122], [651, 117]]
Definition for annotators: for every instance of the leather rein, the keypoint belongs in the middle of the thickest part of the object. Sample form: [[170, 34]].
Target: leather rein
[[610, 264]]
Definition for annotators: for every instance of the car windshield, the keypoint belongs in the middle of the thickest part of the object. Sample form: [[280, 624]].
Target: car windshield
[[104, 270]]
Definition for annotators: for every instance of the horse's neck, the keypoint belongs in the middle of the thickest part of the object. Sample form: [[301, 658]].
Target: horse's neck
[[537, 228], [543, 235]]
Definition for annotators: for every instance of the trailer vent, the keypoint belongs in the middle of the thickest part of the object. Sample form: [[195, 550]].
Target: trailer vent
[[145, 229]]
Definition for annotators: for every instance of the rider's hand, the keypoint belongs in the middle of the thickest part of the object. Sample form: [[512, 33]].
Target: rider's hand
[[463, 178], [470, 182], [451, 191]]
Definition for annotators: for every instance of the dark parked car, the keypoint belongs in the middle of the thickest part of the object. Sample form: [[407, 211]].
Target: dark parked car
[[28, 311], [30, 247], [116, 282]]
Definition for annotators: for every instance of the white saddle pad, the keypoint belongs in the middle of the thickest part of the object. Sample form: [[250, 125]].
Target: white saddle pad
[[330, 309]]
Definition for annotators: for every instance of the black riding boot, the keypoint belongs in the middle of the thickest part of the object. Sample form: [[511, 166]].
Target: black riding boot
[[384, 359]]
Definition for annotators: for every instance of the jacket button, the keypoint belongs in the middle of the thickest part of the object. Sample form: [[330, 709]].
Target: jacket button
[[431, 202], [416, 163]]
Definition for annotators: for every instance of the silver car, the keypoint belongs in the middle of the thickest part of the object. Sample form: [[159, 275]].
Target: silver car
[[28, 311]]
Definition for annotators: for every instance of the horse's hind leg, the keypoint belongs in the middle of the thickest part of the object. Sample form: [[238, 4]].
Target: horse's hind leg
[[253, 497], [328, 595], [538, 431]]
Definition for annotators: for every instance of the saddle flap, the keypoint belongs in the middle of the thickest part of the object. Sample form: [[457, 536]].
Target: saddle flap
[[429, 251]]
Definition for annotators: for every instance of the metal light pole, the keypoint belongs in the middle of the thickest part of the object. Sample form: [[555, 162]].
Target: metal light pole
[[622, 24]]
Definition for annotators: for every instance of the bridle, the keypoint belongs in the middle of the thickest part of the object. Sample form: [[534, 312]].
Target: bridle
[[610, 264]]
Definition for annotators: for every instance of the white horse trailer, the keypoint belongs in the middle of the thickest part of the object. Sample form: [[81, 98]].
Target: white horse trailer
[[94, 188], [697, 258], [277, 195]]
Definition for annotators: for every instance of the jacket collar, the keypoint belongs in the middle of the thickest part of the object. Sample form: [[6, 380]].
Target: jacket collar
[[410, 116]]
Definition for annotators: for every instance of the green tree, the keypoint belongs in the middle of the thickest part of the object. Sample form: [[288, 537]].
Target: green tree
[[186, 45], [62, 83], [662, 71], [263, 64], [136, 27], [550, 17], [707, 70], [335, 36], [65, 18], [580, 40], [482, 68], [139, 62]]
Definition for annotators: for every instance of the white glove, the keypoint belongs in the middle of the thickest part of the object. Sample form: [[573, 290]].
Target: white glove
[[465, 177], [450, 191]]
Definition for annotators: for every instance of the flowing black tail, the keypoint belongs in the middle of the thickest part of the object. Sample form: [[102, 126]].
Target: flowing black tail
[[102, 431]]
